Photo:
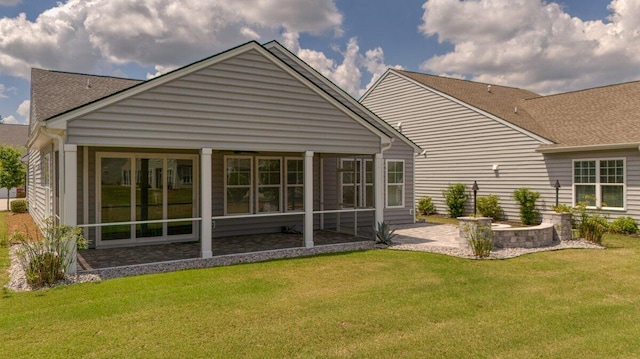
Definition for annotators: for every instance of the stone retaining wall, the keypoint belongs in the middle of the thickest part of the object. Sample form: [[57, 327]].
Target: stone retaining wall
[[523, 237]]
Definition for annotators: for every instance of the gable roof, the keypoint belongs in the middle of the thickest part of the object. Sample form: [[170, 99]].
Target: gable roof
[[500, 101], [597, 118], [120, 89], [14, 135], [332, 89]]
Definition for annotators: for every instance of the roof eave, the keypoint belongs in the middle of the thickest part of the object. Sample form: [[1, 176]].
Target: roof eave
[[583, 148]]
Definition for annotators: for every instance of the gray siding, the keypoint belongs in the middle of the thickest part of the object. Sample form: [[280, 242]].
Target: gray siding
[[462, 146], [245, 102]]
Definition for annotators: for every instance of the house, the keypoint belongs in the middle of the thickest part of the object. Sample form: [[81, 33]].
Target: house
[[506, 138], [16, 136], [248, 141]]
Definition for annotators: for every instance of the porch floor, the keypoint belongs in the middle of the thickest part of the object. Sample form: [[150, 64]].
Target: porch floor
[[89, 259]]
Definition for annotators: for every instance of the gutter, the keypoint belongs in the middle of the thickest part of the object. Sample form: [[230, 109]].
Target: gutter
[[599, 147], [60, 170]]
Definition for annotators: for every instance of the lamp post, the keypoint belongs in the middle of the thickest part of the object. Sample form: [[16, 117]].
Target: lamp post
[[475, 189], [557, 187]]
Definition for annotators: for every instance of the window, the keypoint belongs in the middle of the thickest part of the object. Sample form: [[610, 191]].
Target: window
[[599, 183], [269, 189], [395, 183], [238, 181], [46, 170], [185, 175], [295, 184], [352, 174]]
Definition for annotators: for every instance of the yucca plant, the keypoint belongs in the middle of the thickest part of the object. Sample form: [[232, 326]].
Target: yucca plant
[[384, 233]]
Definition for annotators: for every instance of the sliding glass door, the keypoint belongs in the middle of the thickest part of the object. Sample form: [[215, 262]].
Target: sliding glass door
[[147, 190]]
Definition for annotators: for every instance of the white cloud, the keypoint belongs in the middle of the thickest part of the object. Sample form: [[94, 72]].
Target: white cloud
[[533, 44], [9, 120], [348, 73], [150, 32], [24, 108]]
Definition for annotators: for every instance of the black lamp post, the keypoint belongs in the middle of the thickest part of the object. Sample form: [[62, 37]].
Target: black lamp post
[[475, 189], [557, 187]]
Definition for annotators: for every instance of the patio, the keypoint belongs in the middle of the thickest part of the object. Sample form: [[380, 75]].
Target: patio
[[91, 259]]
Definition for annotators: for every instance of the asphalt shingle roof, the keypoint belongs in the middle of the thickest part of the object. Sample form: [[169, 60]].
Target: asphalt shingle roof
[[55, 92], [14, 135]]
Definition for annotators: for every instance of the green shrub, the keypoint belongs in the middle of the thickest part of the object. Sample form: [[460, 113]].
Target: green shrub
[[489, 206], [425, 206], [384, 233], [18, 206], [624, 225], [4, 242], [527, 201], [481, 242], [593, 228], [45, 260], [562, 208], [455, 197]]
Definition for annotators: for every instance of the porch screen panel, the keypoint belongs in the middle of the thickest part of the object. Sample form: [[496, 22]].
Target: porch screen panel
[[295, 184], [180, 195], [115, 191], [238, 181], [269, 189], [149, 196]]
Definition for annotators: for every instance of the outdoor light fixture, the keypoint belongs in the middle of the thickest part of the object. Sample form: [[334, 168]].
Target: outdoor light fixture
[[475, 189], [557, 187]]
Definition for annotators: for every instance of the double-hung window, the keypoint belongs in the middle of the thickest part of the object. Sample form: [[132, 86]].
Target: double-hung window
[[599, 183], [353, 174], [395, 183], [269, 184], [238, 182], [295, 184]]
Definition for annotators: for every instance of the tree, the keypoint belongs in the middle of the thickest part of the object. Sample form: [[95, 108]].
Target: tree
[[12, 170]]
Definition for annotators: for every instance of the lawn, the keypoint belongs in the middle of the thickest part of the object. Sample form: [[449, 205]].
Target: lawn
[[371, 304]]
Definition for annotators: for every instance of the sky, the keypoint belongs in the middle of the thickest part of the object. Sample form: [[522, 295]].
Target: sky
[[542, 46]]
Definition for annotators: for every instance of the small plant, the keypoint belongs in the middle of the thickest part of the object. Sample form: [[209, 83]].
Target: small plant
[[425, 206], [593, 228], [489, 206], [455, 197], [19, 206], [45, 260], [4, 242], [384, 233], [527, 201], [562, 208], [624, 225], [481, 241]]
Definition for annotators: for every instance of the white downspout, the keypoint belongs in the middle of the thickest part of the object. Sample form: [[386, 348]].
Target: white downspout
[[379, 183], [60, 170]]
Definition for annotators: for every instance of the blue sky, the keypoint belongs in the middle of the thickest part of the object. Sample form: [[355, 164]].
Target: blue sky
[[543, 46]]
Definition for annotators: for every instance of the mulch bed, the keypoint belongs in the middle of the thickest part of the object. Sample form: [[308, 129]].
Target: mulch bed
[[21, 222]]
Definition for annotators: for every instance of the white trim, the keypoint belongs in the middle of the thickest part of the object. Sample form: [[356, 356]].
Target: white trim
[[600, 147], [386, 182], [85, 184], [464, 104], [251, 181], [134, 240], [206, 250], [598, 185], [308, 199]]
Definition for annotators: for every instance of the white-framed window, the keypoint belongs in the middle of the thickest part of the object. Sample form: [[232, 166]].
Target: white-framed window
[[294, 183], [600, 182], [395, 183], [238, 183], [186, 175], [353, 173], [46, 170], [268, 182]]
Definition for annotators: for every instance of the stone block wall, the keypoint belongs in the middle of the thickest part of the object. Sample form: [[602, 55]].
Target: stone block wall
[[561, 223], [525, 237]]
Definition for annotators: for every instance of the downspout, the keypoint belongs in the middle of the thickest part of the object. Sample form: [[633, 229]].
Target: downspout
[[60, 170], [379, 185]]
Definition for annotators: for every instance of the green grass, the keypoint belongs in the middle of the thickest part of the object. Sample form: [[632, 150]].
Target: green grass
[[372, 304], [434, 218]]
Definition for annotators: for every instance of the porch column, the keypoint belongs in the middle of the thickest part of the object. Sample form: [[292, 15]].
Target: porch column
[[70, 194], [308, 199], [379, 188], [205, 203]]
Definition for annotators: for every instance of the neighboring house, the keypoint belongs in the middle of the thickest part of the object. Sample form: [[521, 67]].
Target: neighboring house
[[506, 138], [248, 141], [16, 136]]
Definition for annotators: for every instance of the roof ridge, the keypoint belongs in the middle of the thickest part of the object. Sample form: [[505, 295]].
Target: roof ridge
[[584, 90], [464, 80], [91, 75]]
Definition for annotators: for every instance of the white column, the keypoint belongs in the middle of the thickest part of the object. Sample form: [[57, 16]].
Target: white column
[[205, 202], [379, 188], [308, 199], [70, 193]]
